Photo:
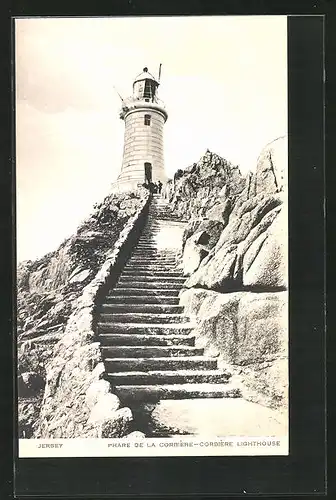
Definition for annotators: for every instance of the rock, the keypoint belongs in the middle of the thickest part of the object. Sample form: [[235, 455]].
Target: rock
[[222, 269], [96, 390], [80, 277], [216, 271], [198, 186], [192, 300], [135, 435], [224, 192], [77, 270], [213, 230], [220, 212], [246, 217], [27, 417], [29, 384], [107, 404], [190, 229], [118, 424], [271, 171], [261, 335], [193, 253], [250, 330], [265, 263], [246, 208]]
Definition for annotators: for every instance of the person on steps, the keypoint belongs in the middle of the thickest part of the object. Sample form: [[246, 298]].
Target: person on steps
[[152, 187]]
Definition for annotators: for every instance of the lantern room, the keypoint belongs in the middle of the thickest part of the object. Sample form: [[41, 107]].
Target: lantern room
[[145, 86]]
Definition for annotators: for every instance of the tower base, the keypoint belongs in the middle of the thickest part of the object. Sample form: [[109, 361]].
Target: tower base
[[125, 185]]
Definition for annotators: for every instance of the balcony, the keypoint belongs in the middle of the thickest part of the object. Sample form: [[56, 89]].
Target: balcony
[[132, 103]]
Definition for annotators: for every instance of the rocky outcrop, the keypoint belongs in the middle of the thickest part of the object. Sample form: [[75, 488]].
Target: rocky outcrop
[[56, 342], [250, 250], [204, 188], [235, 254], [47, 287], [194, 251], [248, 331]]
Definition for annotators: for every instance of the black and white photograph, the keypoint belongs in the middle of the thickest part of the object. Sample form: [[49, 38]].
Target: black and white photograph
[[152, 236]]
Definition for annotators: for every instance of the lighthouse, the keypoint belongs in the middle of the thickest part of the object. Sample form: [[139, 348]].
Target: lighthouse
[[144, 115]]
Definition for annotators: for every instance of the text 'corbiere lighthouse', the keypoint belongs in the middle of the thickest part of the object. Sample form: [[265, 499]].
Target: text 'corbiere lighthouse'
[[144, 115]]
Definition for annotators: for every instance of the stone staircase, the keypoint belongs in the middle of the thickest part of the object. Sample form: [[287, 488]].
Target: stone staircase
[[147, 342]]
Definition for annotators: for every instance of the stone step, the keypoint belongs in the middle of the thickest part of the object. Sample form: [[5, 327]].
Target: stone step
[[171, 261], [168, 377], [141, 308], [147, 245], [141, 299], [143, 339], [145, 328], [166, 252], [164, 211], [166, 257], [161, 224], [162, 215], [170, 257], [139, 317], [131, 266], [149, 285], [151, 272], [164, 208], [162, 253], [149, 239], [164, 363], [145, 352], [148, 278], [152, 235], [150, 232], [153, 264], [154, 256], [155, 292], [149, 229], [176, 391]]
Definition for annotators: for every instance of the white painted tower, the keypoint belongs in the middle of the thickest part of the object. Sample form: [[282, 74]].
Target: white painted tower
[[144, 115]]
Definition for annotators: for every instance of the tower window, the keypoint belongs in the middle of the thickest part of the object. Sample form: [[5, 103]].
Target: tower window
[[148, 91], [147, 120]]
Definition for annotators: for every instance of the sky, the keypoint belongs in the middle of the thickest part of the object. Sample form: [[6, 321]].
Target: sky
[[223, 81]]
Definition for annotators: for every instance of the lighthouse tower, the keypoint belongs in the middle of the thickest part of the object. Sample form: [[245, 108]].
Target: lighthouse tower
[[144, 115]]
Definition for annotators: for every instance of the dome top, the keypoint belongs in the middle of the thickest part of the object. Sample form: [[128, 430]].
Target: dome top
[[145, 75]]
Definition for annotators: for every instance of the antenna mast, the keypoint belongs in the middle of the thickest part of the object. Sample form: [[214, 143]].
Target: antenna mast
[[159, 72], [122, 100]]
